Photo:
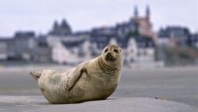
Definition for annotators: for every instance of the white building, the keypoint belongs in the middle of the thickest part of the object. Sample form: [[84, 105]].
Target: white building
[[145, 55], [131, 50], [3, 50], [66, 49], [86, 48], [61, 54], [137, 54]]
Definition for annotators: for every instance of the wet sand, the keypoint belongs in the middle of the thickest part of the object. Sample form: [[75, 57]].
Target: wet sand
[[136, 104]]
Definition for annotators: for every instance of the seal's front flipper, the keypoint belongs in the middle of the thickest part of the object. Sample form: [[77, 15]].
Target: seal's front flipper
[[35, 74], [74, 77]]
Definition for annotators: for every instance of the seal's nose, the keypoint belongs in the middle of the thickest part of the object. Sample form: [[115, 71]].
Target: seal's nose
[[109, 57], [108, 54]]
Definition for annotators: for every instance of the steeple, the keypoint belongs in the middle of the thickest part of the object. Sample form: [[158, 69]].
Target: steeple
[[64, 24], [55, 25], [148, 12], [65, 27], [61, 29], [135, 12]]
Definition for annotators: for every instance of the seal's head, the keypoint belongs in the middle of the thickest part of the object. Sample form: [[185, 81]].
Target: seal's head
[[112, 55]]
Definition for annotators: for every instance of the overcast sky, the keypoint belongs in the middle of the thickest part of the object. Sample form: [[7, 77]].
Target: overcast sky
[[39, 15]]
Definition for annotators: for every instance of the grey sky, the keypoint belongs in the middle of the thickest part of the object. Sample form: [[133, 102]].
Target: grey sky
[[39, 15]]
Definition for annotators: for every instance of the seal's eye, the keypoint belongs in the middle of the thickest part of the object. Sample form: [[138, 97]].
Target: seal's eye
[[106, 50], [115, 50]]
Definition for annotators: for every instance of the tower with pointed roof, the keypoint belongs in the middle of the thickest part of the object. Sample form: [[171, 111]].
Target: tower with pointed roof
[[62, 29], [143, 24], [55, 26], [135, 12], [148, 12]]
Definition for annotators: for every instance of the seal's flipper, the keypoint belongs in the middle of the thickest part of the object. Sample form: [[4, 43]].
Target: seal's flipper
[[36, 75], [77, 73]]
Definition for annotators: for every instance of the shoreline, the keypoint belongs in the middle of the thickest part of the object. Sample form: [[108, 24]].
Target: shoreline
[[40, 67]]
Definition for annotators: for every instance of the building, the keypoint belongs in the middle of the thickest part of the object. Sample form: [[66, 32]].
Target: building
[[173, 36], [67, 49], [101, 36], [42, 53], [21, 46], [62, 29], [192, 41], [72, 40], [144, 25], [61, 45], [25, 47], [136, 27], [3, 49], [64, 53], [61, 55], [140, 50]]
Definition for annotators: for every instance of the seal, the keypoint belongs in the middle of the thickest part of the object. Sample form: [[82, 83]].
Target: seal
[[95, 79]]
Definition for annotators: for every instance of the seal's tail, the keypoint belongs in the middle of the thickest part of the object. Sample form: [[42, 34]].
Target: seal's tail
[[36, 74]]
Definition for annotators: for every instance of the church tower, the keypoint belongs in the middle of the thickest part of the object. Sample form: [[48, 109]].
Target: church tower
[[136, 12], [62, 29], [55, 25], [148, 12]]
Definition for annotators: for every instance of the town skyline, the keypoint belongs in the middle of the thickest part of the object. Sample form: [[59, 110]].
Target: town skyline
[[82, 17]]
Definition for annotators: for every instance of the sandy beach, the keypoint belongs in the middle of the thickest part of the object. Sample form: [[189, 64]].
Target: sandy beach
[[162, 88]]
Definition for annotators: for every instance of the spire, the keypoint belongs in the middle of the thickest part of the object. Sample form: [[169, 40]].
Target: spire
[[55, 25], [148, 11], [61, 29], [64, 24], [65, 27], [135, 12]]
